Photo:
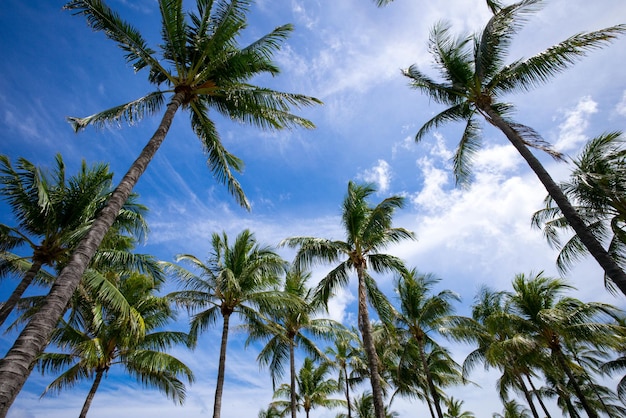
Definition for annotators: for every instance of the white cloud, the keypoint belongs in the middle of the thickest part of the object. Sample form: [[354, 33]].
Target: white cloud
[[572, 129], [379, 174], [620, 108]]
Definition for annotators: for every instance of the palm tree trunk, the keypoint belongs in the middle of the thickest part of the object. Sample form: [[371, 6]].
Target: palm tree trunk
[[368, 344], [529, 399], [579, 393], [219, 388], [536, 393], [16, 366], [7, 307], [292, 378], [345, 374], [92, 393], [429, 379], [611, 268]]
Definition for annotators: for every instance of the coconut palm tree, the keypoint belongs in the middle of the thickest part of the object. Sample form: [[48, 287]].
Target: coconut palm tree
[[345, 354], [288, 328], [236, 279], [597, 185], [420, 316], [200, 67], [560, 326], [476, 76], [455, 409], [314, 389], [53, 211], [96, 338], [368, 231], [512, 409], [364, 407]]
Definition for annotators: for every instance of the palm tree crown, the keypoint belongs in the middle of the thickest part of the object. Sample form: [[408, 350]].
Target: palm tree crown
[[475, 77]]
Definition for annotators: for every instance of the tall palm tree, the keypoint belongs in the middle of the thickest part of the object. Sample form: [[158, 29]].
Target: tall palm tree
[[97, 338], [560, 326], [368, 231], [201, 66], [422, 314], [597, 185], [455, 409], [475, 77], [288, 328], [512, 409], [236, 279], [53, 211], [345, 355], [314, 388]]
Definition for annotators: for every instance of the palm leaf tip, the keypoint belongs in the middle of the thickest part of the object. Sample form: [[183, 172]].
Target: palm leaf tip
[[77, 124]]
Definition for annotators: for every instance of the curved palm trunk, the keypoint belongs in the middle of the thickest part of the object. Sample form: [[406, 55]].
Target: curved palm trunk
[[536, 393], [7, 307], [579, 393], [429, 380], [292, 379], [92, 393], [611, 268], [20, 360], [529, 399], [368, 344], [219, 388]]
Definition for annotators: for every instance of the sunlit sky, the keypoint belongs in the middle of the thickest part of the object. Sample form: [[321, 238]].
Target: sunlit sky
[[347, 53]]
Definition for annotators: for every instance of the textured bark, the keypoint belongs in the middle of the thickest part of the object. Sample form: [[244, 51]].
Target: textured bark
[[9, 305], [219, 388], [16, 366], [368, 344], [345, 373], [92, 393], [611, 268]]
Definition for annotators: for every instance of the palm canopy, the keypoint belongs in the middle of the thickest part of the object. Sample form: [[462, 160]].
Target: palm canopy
[[96, 338], [53, 211], [596, 184], [199, 58], [475, 75]]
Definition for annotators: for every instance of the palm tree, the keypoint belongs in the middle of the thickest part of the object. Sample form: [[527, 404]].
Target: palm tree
[[201, 67], [512, 409], [503, 345], [97, 338], [561, 326], [364, 407], [287, 328], [368, 231], [345, 354], [237, 279], [314, 388], [53, 212], [597, 184], [421, 315], [475, 77], [455, 409]]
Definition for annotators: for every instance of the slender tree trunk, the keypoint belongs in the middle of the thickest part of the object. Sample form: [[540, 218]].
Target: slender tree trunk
[[345, 374], [611, 268], [429, 380], [92, 393], [368, 344], [292, 379], [7, 307], [579, 393], [543, 405], [219, 388], [16, 366], [529, 399]]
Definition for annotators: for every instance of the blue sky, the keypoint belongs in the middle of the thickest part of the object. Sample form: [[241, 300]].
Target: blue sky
[[347, 53]]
